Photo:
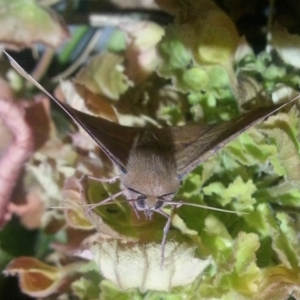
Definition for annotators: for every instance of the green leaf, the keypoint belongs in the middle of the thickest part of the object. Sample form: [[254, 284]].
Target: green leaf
[[105, 75], [238, 194], [27, 22], [85, 289], [174, 55], [284, 128]]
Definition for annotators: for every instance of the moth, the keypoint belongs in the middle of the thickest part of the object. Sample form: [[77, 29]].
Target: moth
[[152, 162]]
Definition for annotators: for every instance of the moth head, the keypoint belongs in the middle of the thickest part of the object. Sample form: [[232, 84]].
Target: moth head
[[146, 203]]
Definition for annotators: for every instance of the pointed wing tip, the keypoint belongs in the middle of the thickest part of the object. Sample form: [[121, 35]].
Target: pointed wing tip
[[11, 60], [17, 67]]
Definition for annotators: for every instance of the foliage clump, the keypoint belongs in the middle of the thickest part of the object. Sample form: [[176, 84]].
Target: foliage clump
[[196, 70]]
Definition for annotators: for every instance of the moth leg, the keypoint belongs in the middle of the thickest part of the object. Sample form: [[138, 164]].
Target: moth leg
[[109, 180], [83, 198], [165, 233], [134, 209]]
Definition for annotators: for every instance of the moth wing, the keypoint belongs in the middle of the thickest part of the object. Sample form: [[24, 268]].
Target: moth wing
[[114, 139], [191, 144], [194, 144]]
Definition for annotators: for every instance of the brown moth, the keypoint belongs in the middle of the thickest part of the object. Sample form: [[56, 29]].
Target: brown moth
[[152, 162]]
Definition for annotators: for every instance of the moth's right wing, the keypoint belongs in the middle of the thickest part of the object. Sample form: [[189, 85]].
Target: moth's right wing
[[194, 144]]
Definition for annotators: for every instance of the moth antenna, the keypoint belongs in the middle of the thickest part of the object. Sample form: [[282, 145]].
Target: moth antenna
[[108, 200], [108, 180], [179, 203], [130, 200], [135, 211], [85, 205], [63, 207]]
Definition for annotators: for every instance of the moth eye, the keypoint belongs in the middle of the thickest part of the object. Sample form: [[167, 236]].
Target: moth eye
[[140, 201], [159, 203]]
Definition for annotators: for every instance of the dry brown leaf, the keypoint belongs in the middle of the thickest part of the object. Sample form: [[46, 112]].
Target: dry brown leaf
[[39, 119], [73, 211], [96, 103], [38, 279], [81, 98], [30, 207]]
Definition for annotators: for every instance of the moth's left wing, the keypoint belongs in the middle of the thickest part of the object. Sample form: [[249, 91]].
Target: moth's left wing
[[194, 144]]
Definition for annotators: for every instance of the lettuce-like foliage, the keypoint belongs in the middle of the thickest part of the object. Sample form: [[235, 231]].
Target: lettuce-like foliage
[[250, 251]]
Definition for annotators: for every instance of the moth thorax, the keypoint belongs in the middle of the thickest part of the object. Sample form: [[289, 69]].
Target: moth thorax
[[151, 175]]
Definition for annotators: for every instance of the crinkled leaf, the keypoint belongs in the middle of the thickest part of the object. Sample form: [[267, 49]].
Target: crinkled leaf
[[280, 229], [48, 173], [217, 238], [273, 74], [174, 55], [246, 275], [260, 219], [284, 194], [283, 128], [176, 63], [85, 289], [278, 282], [238, 274], [71, 205], [142, 58], [109, 291], [104, 75], [250, 148], [285, 241], [238, 193], [103, 217], [26, 22], [208, 32]]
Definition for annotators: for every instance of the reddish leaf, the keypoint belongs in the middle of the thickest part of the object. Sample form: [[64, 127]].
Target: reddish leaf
[[37, 279], [96, 103], [15, 154]]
